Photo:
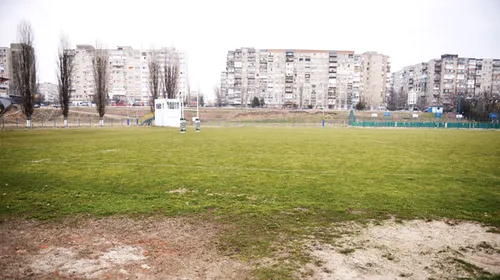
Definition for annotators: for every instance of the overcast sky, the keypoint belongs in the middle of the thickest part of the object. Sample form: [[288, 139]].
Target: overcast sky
[[410, 31]]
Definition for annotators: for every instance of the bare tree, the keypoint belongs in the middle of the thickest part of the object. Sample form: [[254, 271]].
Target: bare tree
[[202, 100], [218, 96], [171, 77], [154, 78], [422, 101], [66, 65], [480, 106], [392, 100], [100, 64], [24, 69], [187, 98]]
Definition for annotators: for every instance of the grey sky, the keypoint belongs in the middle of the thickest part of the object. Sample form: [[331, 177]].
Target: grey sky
[[409, 31]]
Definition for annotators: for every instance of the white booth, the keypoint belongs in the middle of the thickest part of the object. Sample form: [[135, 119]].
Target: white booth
[[168, 112]]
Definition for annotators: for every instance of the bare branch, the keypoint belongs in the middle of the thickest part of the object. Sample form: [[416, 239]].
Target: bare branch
[[218, 96], [154, 77], [171, 77]]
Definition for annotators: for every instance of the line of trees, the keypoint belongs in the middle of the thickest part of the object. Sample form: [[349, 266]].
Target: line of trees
[[479, 107], [24, 80]]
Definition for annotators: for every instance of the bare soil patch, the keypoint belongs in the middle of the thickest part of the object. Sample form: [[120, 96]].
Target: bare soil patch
[[113, 248], [408, 250], [179, 248]]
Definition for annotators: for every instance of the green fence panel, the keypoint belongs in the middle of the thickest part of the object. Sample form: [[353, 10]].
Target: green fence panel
[[425, 124]]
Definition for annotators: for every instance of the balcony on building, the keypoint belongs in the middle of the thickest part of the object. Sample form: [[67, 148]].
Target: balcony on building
[[448, 66]]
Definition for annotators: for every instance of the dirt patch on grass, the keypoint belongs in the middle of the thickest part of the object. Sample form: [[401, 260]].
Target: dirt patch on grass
[[114, 248], [168, 248], [408, 250]]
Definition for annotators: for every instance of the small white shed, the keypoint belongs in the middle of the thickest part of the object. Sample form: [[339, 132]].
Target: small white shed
[[168, 112]]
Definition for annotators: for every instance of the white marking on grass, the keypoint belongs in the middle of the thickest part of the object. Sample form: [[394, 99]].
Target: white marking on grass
[[109, 151]]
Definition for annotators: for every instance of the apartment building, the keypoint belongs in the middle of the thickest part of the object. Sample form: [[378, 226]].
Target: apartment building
[[15, 54], [442, 81], [409, 82], [302, 78], [376, 69], [129, 72], [224, 88], [83, 75], [49, 91], [5, 70]]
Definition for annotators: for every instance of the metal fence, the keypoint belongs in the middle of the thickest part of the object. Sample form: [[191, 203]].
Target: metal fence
[[465, 125], [111, 122], [93, 121], [90, 121]]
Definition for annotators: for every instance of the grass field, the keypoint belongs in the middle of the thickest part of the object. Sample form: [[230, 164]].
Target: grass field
[[263, 182]]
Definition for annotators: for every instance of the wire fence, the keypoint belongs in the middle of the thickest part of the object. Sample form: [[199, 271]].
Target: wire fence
[[94, 121], [456, 125], [90, 121]]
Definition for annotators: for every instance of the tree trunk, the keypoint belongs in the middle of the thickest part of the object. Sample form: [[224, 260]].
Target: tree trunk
[[101, 122], [66, 122], [28, 121]]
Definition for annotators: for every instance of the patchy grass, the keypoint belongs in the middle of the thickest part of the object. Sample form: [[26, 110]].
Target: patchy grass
[[347, 251], [473, 270], [270, 185]]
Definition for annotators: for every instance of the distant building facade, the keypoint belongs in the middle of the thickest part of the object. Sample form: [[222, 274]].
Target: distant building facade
[[304, 78], [49, 91], [5, 70], [444, 80], [129, 72], [15, 61]]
